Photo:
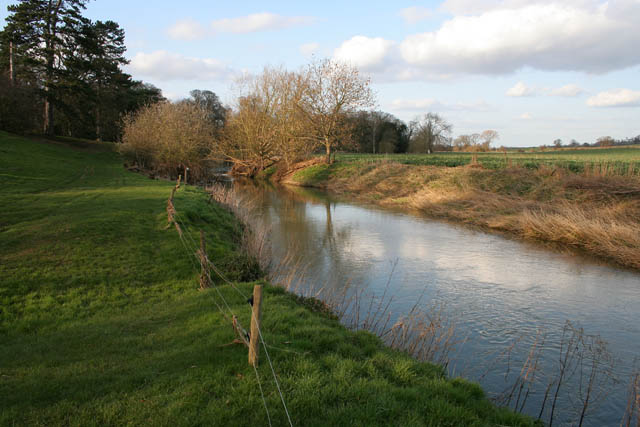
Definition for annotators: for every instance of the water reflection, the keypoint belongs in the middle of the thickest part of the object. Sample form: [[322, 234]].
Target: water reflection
[[498, 289]]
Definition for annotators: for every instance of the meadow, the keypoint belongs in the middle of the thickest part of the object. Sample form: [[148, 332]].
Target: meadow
[[610, 160], [102, 322]]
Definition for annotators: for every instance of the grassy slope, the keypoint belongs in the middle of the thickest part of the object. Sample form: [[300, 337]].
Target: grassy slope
[[591, 211], [101, 322]]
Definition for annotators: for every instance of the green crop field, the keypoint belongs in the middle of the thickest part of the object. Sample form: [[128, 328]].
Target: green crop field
[[616, 160]]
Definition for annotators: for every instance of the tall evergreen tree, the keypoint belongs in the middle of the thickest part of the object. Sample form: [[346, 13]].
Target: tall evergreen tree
[[95, 65], [40, 33]]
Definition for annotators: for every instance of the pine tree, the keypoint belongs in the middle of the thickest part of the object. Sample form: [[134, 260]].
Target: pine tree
[[41, 32]]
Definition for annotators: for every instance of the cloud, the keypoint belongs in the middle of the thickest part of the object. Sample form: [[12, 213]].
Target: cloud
[[569, 90], [414, 14], [187, 29], [264, 21], [165, 66], [309, 49], [525, 116], [615, 98], [431, 104], [520, 89], [365, 53], [474, 7], [504, 36]]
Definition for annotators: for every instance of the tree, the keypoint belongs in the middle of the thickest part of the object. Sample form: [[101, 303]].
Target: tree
[[557, 143], [166, 137], [487, 138], [333, 91], [267, 124], [41, 32], [605, 141], [210, 102], [429, 130], [378, 132]]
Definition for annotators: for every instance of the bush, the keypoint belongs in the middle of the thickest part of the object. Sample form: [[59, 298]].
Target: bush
[[166, 137]]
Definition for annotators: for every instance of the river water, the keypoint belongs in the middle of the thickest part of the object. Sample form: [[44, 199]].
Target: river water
[[500, 293]]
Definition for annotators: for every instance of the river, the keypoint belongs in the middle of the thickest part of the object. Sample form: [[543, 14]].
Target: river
[[500, 293]]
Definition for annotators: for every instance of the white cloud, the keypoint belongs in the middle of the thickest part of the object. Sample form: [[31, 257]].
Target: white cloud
[[525, 116], [615, 98], [569, 90], [431, 104], [574, 35], [309, 49], [365, 53], [520, 89], [187, 29], [414, 14], [164, 65], [259, 22], [474, 7]]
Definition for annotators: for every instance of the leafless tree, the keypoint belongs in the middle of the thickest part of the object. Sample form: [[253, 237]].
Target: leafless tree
[[429, 130], [334, 90]]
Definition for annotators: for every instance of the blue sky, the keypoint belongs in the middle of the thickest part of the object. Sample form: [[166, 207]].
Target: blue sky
[[534, 70]]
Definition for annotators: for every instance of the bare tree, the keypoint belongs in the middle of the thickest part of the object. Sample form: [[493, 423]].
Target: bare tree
[[487, 138], [429, 130], [334, 90]]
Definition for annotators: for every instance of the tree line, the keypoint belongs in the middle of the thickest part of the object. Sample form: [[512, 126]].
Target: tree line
[[62, 75], [62, 72], [281, 117]]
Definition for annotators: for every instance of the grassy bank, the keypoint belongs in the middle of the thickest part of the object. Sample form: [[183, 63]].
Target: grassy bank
[[101, 322], [594, 211]]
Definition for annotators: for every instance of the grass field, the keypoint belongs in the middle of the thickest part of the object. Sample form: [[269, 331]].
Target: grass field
[[613, 160], [101, 322]]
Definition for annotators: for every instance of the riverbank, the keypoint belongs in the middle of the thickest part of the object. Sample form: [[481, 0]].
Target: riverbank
[[101, 321], [591, 211]]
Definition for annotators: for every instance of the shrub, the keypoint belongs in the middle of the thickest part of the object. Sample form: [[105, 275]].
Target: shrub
[[166, 137]]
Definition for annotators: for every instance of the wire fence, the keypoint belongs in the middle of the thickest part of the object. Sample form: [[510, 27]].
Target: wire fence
[[197, 255]]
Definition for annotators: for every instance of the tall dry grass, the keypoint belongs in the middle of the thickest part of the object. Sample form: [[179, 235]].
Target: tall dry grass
[[596, 211]]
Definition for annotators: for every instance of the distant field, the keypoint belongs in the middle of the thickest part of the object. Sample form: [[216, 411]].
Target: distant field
[[617, 160]]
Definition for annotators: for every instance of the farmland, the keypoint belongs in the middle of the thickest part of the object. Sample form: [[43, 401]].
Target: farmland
[[613, 161]]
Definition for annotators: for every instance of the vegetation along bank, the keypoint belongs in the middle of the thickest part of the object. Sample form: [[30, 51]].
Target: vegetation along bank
[[586, 199], [102, 322]]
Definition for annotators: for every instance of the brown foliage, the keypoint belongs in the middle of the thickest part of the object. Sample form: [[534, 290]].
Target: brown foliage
[[166, 137]]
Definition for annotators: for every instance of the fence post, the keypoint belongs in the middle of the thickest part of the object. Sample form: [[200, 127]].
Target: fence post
[[204, 277], [256, 317]]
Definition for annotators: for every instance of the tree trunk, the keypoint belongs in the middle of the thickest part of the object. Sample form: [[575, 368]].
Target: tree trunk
[[47, 128], [98, 117], [327, 145], [98, 129], [11, 63]]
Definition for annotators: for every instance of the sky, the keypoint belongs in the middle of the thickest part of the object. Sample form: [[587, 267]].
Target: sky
[[533, 70]]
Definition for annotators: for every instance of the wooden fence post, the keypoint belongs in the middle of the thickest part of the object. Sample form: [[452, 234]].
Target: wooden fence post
[[256, 317], [204, 277]]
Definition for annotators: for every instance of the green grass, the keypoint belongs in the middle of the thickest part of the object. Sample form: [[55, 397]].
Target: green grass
[[101, 322], [619, 160]]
